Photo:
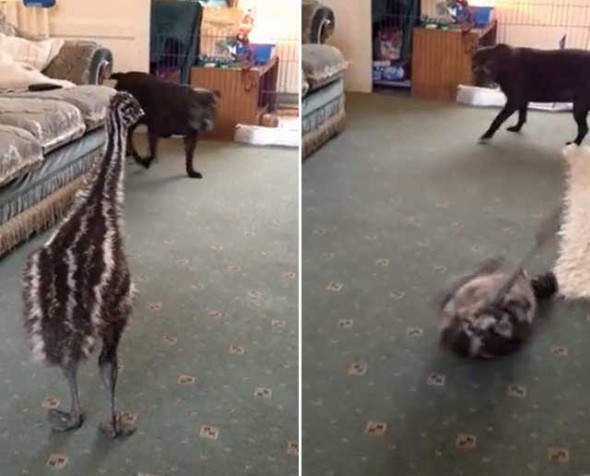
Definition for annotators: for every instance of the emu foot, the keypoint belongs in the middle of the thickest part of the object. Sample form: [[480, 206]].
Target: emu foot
[[194, 174], [124, 425], [63, 421]]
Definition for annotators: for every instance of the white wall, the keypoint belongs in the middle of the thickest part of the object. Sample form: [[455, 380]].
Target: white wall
[[279, 21], [120, 25], [353, 38]]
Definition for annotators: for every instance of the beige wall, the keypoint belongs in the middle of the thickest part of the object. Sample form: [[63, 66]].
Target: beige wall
[[353, 37], [121, 25], [536, 23], [279, 21]]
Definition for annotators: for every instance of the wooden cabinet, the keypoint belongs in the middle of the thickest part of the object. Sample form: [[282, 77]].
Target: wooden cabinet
[[245, 95], [441, 59]]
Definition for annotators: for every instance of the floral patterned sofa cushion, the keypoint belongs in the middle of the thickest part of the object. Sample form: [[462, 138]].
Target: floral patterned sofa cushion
[[20, 152], [52, 123], [91, 100], [322, 65]]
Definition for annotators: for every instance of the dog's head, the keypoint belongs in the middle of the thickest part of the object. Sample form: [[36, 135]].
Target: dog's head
[[487, 62], [204, 107]]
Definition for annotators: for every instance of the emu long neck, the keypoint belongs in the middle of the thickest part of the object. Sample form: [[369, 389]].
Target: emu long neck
[[109, 181]]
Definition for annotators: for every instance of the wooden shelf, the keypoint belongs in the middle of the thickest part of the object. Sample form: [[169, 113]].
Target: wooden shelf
[[441, 59], [244, 94]]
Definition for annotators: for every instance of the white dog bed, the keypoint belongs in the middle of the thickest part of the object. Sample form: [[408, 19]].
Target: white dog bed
[[486, 97], [572, 268]]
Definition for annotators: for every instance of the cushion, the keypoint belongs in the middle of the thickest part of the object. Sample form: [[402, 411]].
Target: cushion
[[322, 64], [304, 84], [37, 54], [20, 152], [6, 27], [91, 100], [52, 123]]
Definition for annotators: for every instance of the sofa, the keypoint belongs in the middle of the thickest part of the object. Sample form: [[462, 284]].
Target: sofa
[[50, 139], [323, 99]]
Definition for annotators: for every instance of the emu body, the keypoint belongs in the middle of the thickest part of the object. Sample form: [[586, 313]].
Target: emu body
[[77, 287]]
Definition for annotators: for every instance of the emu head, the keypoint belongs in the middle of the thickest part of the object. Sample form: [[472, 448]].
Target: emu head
[[126, 108]]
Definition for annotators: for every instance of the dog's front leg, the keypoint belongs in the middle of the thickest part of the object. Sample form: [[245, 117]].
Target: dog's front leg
[[522, 115], [504, 114], [190, 144], [580, 116]]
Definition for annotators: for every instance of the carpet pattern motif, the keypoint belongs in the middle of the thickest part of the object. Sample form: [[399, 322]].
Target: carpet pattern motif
[[209, 361], [392, 209]]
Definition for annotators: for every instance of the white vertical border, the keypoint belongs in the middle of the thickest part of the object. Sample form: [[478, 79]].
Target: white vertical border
[[299, 8]]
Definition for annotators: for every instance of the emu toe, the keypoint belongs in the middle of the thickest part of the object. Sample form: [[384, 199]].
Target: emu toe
[[124, 425], [63, 421]]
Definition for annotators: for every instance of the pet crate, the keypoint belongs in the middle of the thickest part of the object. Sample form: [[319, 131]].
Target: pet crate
[[393, 21], [174, 38]]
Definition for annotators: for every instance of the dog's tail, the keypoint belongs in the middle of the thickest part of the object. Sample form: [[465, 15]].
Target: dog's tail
[[544, 286]]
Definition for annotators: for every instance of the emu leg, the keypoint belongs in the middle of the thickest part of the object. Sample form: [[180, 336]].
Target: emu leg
[[190, 143], [64, 421], [114, 426]]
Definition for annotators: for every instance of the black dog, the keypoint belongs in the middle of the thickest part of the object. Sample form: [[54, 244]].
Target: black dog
[[526, 74], [170, 109]]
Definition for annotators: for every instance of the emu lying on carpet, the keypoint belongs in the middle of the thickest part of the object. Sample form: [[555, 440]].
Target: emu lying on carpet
[[170, 109], [489, 314], [77, 287]]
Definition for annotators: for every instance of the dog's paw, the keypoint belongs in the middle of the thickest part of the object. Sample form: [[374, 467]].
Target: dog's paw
[[194, 174], [484, 140], [573, 142], [145, 163], [513, 129]]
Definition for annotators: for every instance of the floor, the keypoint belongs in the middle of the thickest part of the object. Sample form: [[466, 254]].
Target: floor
[[392, 209], [209, 362]]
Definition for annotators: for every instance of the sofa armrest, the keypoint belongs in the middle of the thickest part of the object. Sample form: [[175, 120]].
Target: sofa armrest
[[318, 22], [81, 62]]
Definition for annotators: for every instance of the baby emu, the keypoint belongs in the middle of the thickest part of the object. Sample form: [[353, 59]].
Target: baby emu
[[77, 287]]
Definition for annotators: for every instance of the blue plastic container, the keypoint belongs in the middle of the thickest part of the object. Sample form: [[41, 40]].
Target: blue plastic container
[[482, 16], [262, 52], [39, 3]]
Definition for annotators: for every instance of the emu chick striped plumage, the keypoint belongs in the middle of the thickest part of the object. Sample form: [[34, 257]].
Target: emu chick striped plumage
[[77, 287]]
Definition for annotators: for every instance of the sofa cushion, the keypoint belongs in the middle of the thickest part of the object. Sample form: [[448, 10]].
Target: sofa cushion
[[91, 100], [37, 54], [20, 152], [304, 84], [53, 123], [322, 64]]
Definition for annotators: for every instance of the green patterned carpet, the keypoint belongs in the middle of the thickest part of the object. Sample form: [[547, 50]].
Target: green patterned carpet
[[213, 340], [394, 207]]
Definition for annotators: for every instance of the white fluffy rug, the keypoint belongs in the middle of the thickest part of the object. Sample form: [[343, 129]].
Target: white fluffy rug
[[572, 268]]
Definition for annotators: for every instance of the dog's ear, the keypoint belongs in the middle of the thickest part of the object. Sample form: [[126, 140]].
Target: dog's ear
[[217, 94]]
